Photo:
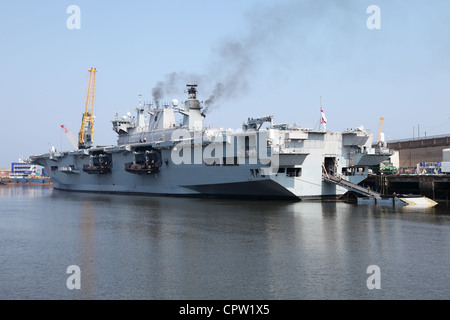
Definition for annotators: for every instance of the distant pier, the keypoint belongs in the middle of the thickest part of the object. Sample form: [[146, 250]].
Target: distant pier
[[436, 187], [411, 155]]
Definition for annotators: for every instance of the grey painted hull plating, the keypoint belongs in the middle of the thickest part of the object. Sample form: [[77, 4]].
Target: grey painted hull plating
[[302, 157]]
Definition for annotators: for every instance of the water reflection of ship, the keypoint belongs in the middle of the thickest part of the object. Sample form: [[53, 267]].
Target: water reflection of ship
[[87, 246]]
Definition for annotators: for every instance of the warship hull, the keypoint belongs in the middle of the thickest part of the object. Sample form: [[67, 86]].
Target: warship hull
[[157, 156], [292, 180]]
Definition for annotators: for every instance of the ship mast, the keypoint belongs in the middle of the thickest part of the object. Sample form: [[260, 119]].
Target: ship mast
[[320, 120]]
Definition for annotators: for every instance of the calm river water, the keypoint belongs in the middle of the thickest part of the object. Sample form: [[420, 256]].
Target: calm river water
[[136, 247]]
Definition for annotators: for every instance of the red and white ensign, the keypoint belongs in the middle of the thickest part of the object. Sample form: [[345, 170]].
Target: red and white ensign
[[324, 119]]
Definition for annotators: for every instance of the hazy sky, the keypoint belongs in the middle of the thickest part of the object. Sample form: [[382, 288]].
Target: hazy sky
[[271, 57]]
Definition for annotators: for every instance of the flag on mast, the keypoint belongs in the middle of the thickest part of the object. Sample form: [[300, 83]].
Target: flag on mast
[[323, 119]]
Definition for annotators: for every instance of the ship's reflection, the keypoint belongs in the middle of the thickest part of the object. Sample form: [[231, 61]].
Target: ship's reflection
[[143, 247], [185, 246]]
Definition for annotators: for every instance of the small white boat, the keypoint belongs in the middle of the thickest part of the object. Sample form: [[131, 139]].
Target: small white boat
[[400, 200]]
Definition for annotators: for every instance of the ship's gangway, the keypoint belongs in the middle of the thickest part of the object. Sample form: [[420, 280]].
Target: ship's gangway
[[351, 186]]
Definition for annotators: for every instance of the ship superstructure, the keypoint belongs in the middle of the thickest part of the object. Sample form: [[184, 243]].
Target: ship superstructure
[[155, 154]]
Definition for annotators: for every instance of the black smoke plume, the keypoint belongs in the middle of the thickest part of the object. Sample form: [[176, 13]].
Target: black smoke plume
[[271, 29]]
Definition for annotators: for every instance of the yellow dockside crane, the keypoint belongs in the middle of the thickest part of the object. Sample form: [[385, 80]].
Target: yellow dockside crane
[[87, 122]]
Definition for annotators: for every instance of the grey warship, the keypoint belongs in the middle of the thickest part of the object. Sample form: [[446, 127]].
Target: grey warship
[[155, 155]]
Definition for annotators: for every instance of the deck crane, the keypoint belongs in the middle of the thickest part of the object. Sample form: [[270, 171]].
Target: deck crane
[[70, 136], [379, 130], [87, 121]]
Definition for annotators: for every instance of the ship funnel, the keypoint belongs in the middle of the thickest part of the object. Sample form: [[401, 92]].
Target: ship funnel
[[193, 118]]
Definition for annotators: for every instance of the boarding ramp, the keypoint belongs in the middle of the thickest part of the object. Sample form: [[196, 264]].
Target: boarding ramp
[[351, 186]]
